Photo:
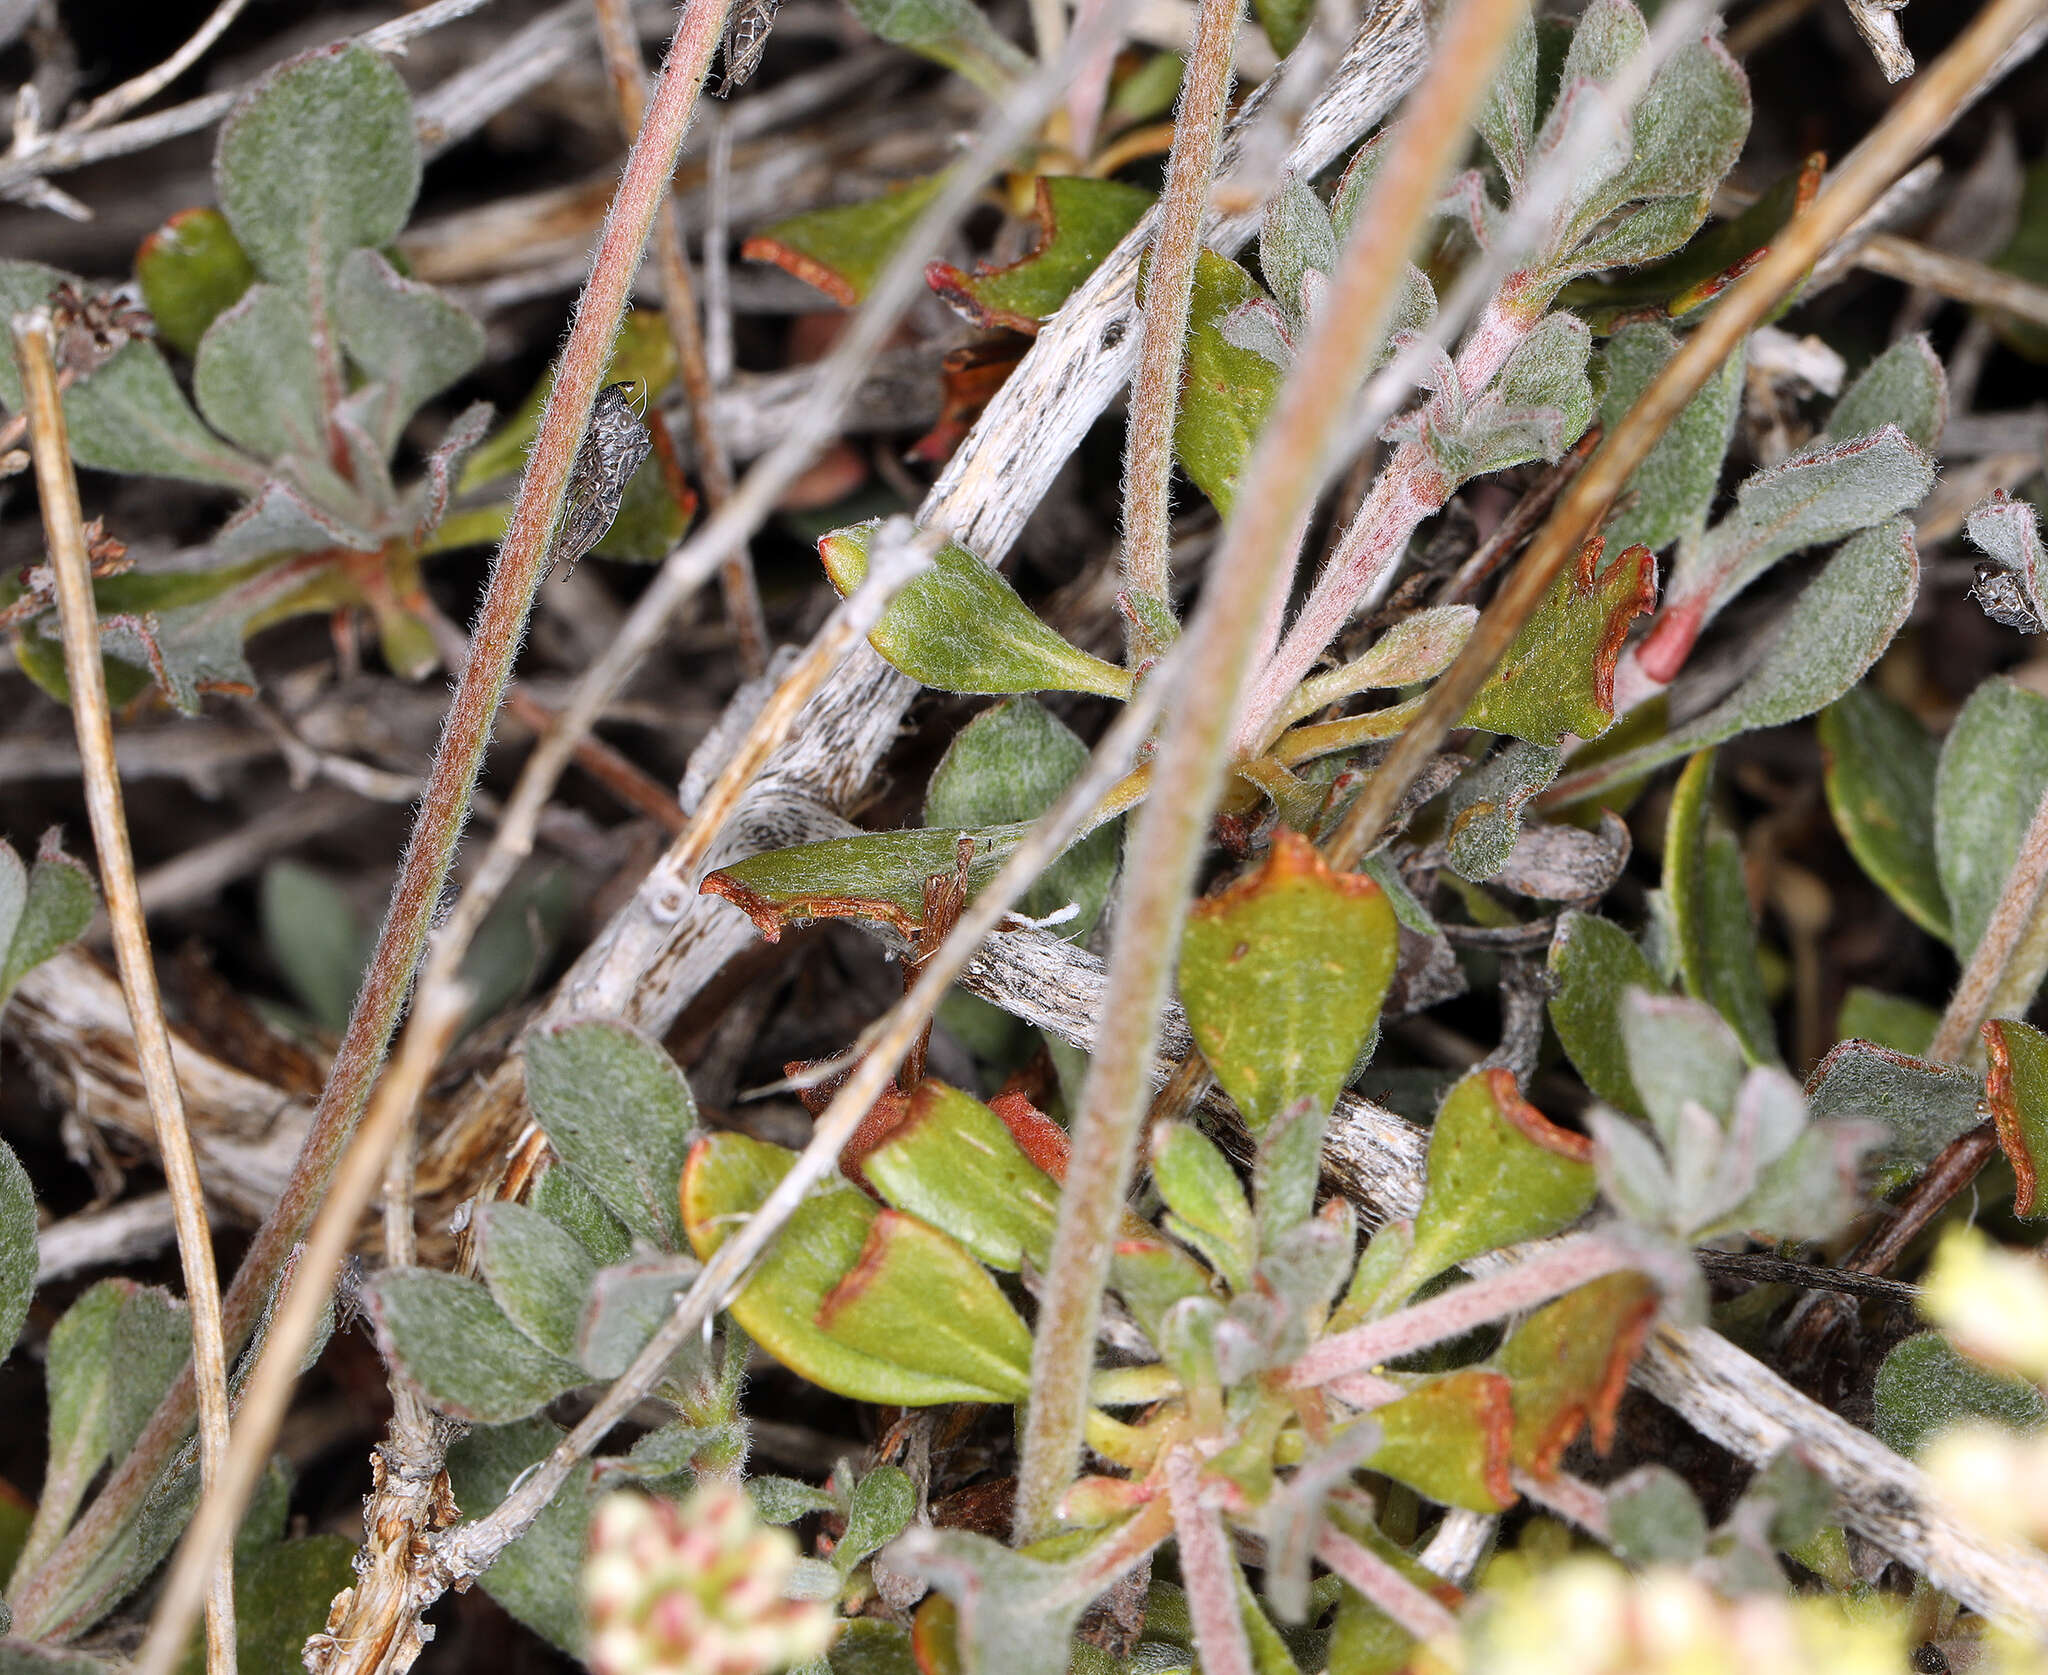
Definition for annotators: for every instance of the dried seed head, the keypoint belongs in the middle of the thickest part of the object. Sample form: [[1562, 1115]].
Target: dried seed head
[[614, 447]]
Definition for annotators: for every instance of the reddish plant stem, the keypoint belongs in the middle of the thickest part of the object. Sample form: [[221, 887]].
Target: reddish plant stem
[[621, 47], [1385, 1586], [520, 565], [1207, 1570], [1169, 286]]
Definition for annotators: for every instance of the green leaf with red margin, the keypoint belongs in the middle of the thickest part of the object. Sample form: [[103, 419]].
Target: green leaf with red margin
[[1569, 1362], [1877, 764], [1499, 1172], [726, 1180], [918, 1298], [1711, 922], [841, 250], [191, 269], [1449, 1440], [959, 627], [877, 876], [2016, 1090], [1283, 974], [1080, 221], [1558, 675], [1226, 390], [954, 1162]]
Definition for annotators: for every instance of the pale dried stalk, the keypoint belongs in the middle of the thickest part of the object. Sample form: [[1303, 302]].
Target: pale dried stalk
[[521, 563], [1955, 277], [1877, 21], [269, 1390], [1281, 480], [141, 89], [621, 46], [1169, 286], [63, 528], [1907, 127]]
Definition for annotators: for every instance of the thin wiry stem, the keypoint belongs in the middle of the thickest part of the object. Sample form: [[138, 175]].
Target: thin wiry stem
[[1907, 128], [1169, 285], [63, 526], [521, 563], [141, 89], [1286, 471], [621, 45], [269, 1390]]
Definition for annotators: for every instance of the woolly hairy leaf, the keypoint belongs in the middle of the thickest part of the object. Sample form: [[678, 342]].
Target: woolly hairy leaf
[[1668, 495], [1878, 766], [130, 416], [2012, 581], [1593, 964], [43, 908], [312, 930], [954, 33], [1295, 239], [1079, 221], [1282, 975], [1924, 1387], [256, 379], [1993, 770], [537, 1272], [1920, 1106], [1905, 386], [1484, 813], [535, 1577], [17, 1248], [405, 335], [960, 627], [1206, 1205], [627, 1304], [1712, 927], [446, 1335], [619, 1114], [318, 159]]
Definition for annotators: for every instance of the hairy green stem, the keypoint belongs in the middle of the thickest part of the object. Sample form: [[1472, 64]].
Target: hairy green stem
[[1169, 287], [1286, 471], [501, 625]]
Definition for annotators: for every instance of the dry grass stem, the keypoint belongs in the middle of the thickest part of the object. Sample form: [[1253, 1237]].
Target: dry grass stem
[[63, 527], [1955, 277]]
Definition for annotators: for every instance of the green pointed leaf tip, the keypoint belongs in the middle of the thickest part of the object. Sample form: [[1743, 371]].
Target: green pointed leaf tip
[[1905, 386], [1593, 965], [1226, 389], [447, 1336], [1079, 220], [917, 1292], [619, 1114], [1888, 1020], [1558, 675], [1878, 766], [1283, 975], [1206, 1205], [2016, 1089], [840, 250], [881, 1508], [1008, 765], [955, 33], [952, 1161], [318, 159], [190, 270], [1680, 1052], [960, 627], [1450, 1440], [1499, 1172], [1712, 927], [1990, 779], [43, 908]]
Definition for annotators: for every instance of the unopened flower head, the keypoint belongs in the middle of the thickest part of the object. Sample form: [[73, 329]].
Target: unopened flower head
[[695, 1589]]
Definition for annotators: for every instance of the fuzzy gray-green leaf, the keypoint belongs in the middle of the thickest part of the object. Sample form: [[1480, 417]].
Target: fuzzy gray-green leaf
[[535, 1577], [1925, 1386], [2012, 581], [313, 931], [1667, 496], [405, 335], [1878, 768], [319, 159], [625, 1305], [447, 1335], [130, 416], [1593, 964], [619, 1113], [1921, 1106], [538, 1272], [43, 908], [1905, 386], [1484, 814], [256, 379], [17, 1247], [1295, 239], [1993, 770]]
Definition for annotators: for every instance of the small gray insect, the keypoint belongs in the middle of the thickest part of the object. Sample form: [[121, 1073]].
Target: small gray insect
[[614, 447], [2004, 598], [746, 39]]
